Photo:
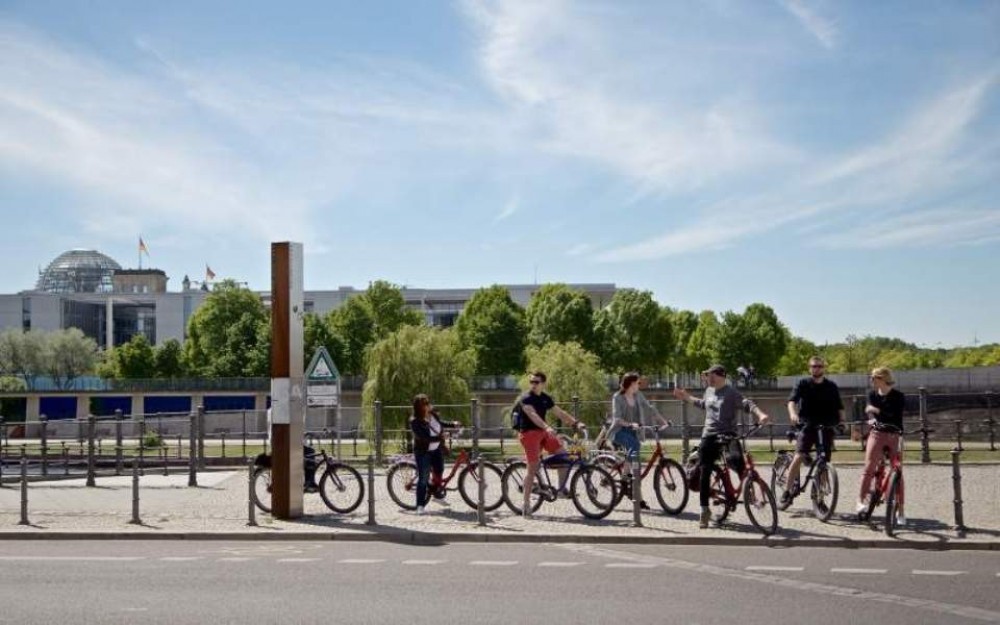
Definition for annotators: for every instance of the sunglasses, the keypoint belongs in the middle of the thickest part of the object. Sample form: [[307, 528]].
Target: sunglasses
[[534, 381], [817, 366]]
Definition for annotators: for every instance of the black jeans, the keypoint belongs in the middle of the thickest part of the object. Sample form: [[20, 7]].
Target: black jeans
[[427, 462], [709, 450]]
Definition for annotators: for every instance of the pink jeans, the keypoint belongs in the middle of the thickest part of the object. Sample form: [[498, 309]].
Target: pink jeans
[[877, 441]]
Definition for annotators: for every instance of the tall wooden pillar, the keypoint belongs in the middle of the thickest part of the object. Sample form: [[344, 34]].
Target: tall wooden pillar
[[288, 391]]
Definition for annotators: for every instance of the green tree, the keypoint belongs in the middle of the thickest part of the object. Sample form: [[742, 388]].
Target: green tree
[[557, 313], [632, 332], [318, 333], [683, 323], [412, 360], [10, 384], [795, 360], [25, 355], [492, 327], [134, 360], [389, 310], [755, 337], [168, 359], [226, 334], [571, 372], [701, 348], [354, 323]]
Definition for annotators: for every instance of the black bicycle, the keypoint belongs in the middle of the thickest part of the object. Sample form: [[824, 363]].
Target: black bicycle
[[340, 485], [821, 478]]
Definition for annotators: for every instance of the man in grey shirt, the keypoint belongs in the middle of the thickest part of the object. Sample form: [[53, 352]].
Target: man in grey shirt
[[721, 404]]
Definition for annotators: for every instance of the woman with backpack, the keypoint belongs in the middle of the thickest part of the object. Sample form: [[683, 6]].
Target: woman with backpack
[[428, 434]]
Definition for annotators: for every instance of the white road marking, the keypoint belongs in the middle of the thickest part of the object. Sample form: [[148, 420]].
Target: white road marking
[[236, 559], [298, 559], [944, 573], [776, 569], [493, 563], [71, 558], [629, 565], [423, 562], [861, 571], [560, 564], [180, 558], [788, 584], [361, 561]]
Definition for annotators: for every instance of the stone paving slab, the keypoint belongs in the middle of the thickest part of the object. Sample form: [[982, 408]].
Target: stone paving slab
[[218, 508]]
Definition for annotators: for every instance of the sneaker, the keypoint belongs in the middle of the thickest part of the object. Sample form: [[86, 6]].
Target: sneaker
[[862, 507], [706, 516], [311, 488], [421, 510], [900, 519], [643, 505]]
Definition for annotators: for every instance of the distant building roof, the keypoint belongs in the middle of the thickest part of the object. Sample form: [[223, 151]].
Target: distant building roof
[[78, 271]]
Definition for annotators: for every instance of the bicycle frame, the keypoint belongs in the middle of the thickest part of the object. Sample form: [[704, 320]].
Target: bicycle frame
[[749, 469]]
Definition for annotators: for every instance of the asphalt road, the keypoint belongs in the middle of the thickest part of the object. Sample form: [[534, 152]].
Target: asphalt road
[[182, 582]]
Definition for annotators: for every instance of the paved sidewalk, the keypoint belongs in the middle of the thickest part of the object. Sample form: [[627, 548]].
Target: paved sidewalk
[[217, 508]]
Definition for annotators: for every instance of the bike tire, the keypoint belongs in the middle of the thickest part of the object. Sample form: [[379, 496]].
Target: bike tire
[[512, 485], [594, 491], [779, 479], [612, 464], [401, 481], [468, 486], [758, 500], [892, 503], [718, 497], [341, 488], [262, 488], [670, 484], [825, 490]]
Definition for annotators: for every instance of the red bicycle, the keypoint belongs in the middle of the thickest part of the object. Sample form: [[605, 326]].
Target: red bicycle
[[402, 479], [668, 482], [758, 500], [887, 483]]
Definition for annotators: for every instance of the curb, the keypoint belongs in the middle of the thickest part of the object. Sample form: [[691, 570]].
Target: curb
[[429, 539]]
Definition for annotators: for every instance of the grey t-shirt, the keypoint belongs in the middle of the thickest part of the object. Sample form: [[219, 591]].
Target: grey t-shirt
[[721, 407]]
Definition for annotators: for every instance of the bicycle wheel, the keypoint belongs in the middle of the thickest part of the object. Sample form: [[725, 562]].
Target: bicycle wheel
[[825, 489], [718, 497], [874, 496], [594, 491], [779, 479], [262, 488], [671, 486], [341, 488], [892, 502], [614, 466], [512, 486], [760, 506], [468, 485], [402, 482]]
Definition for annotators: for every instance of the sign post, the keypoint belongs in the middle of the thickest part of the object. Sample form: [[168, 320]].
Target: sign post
[[323, 380], [288, 392]]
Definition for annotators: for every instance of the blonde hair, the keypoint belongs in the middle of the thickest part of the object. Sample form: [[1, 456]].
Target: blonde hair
[[885, 373]]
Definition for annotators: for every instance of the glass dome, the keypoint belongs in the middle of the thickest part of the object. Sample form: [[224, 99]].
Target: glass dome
[[78, 271]]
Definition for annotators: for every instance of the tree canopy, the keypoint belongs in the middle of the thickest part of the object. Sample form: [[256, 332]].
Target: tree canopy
[[633, 333], [492, 327], [571, 372], [229, 335], [557, 313]]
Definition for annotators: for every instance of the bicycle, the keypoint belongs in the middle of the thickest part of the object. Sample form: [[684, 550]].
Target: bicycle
[[340, 485], [822, 478], [758, 499], [669, 482], [402, 480], [591, 487], [887, 487]]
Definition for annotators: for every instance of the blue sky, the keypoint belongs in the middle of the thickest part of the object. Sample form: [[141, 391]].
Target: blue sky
[[839, 161]]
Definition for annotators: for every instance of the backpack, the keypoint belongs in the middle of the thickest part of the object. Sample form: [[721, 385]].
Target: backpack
[[517, 416]]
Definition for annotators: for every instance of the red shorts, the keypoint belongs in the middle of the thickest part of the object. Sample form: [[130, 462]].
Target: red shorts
[[534, 440]]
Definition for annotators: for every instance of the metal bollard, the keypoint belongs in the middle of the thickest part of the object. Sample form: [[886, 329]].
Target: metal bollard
[[770, 435], [337, 426], [477, 453], [142, 443], [180, 447], [685, 440], [371, 490], [119, 452], [958, 435], [251, 508], [636, 492], [378, 431], [45, 444], [201, 437], [925, 444], [989, 420], [222, 436], [24, 487], [65, 456], [503, 433], [244, 434], [166, 469], [91, 426], [135, 492], [192, 451], [956, 476]]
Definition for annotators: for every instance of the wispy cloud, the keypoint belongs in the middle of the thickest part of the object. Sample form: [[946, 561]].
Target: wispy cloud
[[926, 228], [822, 28], [508, 209]]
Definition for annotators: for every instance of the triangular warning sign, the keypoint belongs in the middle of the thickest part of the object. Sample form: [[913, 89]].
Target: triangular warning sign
[[321, 368]]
